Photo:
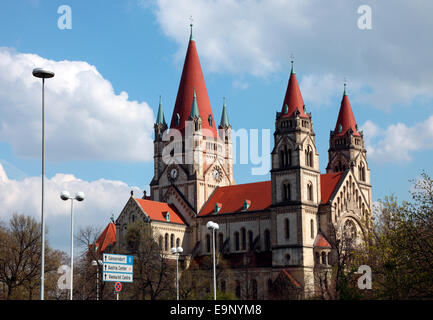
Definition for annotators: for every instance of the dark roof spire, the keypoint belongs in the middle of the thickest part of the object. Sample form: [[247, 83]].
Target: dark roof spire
[[224, 116]]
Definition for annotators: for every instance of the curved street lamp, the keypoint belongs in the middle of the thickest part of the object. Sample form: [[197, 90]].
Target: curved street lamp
[[43, 74], [213, 226], [79, 197], [177, 251]]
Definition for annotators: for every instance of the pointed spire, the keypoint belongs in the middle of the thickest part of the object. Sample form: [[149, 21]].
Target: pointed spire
[[224, 117], [346, 119], [160, 119], [191, 81], [194, 108], [293, 99]]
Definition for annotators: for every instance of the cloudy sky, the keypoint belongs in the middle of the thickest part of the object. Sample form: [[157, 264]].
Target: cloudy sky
[[120, 56]]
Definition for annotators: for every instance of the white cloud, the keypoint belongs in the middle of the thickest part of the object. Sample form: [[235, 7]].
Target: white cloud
[[84, 117], [103, 198], [398, 142], [256, 37]]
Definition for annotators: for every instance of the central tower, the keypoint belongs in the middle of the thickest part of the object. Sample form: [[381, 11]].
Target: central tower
[[193, 156]]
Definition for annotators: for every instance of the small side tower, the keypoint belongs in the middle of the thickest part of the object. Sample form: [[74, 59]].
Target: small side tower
[[346, 147], [225, 136], [159, 127]]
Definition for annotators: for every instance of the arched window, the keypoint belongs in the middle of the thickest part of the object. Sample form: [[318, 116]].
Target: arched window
[[220, 241], [312, 228], [250, 239], [286, 191], [244, 238], [267, 240], [237, 241], [323, 257], [329, 257], [287, 228], [309, 157], [166, 242], [210, 121], [177, 242], [285, 157], [172, 240], [310, 191], [207, 243], [161, 239], [361, 168]]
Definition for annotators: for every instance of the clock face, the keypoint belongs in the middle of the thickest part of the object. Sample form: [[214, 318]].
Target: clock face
[[217, 174], [173, 173]]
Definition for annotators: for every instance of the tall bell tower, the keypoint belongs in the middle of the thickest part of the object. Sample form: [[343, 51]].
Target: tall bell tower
[[295, 179], [192, 156]]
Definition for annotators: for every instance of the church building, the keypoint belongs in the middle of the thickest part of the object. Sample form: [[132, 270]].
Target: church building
[[276, 229]]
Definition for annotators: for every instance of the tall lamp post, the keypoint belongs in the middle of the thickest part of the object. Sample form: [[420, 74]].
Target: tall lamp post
[[213, 226], [97, 263], [177, 251], [43, 74], [79, 197]]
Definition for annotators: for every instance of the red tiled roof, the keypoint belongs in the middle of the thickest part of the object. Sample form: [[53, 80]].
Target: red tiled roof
[[192, 79], [286, 273], [328, 183], [157, 210], [232, 198], [321, 241], [345, 118], [107, 237], [293, 98]]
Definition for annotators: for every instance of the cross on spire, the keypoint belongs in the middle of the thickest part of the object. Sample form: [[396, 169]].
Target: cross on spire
[[345, 82], [191, 25], [292, 58]]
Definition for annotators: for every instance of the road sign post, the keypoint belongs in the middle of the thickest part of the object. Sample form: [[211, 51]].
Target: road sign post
[[117, 268]]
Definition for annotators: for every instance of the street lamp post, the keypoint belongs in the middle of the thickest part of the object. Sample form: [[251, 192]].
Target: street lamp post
[[214, 226], [79, 197], [97, 263], [177, 251], [43, 74]]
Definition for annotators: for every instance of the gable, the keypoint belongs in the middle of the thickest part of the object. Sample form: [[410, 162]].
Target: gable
[[328, 185]]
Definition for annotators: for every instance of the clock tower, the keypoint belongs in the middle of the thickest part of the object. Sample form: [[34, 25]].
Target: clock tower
[[194, 156]]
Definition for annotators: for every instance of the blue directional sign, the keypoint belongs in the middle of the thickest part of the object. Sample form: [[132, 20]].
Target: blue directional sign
[[117, 267]]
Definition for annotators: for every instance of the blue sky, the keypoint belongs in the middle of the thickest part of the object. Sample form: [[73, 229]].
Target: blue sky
[[120, 56]]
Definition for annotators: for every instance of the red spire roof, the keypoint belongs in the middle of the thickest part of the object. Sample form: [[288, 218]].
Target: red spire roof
[[192, 79], [293, 99], [107, 237], [345, 118]]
